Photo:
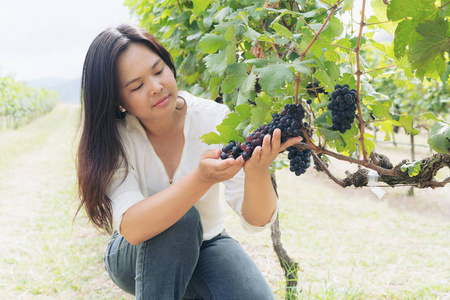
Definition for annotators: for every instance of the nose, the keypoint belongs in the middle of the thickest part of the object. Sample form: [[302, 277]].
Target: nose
[[155, 87]]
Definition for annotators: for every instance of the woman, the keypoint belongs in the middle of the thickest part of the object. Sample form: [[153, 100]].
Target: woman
[[144, 174]]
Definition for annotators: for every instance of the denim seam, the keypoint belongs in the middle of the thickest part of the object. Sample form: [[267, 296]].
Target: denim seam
[[206, 282], [141, 258]]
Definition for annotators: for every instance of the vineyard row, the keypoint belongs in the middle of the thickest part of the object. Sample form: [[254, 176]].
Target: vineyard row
[[20, 103]]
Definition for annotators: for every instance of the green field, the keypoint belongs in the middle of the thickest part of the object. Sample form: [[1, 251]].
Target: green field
[[349, 244]]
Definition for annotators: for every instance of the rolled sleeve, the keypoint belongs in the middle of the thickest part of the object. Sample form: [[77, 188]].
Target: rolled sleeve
[[234, 196]]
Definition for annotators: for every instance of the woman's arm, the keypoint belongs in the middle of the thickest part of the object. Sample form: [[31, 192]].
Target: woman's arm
[[158, 212], [260, 200]]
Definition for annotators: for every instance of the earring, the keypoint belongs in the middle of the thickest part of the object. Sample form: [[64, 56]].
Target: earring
[[122, 109]]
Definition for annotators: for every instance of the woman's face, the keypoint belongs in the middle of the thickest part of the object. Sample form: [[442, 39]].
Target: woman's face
[[147, 86]]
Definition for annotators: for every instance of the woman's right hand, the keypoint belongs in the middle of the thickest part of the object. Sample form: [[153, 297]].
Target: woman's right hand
[[212, 170]]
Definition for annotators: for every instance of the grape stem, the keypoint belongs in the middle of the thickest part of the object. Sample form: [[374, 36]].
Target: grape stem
[[358, 83], [376, 23], [338, 46], [379, 69]]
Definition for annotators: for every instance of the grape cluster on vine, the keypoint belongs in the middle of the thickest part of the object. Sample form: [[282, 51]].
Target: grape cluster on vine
[[299, 160], [289, 121], [342, 106]]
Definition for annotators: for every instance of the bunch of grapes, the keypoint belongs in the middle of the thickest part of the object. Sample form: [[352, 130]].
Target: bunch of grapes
[[342, 106], [289, 121], [299, 160]]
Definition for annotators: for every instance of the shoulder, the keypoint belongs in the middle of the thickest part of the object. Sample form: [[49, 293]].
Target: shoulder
[[200, 105]]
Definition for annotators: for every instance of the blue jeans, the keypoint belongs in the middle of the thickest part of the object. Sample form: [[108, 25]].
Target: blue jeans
[[176, 264]]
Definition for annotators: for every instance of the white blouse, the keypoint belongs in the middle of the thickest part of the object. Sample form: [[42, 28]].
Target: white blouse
[[147, 175]]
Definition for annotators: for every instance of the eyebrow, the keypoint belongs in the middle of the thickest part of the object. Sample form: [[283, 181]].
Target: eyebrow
[[136, 79]]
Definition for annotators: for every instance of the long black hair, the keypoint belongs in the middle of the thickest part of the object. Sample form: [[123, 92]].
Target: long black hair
[[100, 151]]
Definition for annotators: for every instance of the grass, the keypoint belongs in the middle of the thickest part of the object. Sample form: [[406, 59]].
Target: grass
[[349, 244]]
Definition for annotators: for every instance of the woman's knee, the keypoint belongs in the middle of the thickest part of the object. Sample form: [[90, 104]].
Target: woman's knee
[[189, 226]]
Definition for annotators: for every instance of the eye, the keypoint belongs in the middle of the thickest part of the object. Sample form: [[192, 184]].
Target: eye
[[137, 88], [159, 72]]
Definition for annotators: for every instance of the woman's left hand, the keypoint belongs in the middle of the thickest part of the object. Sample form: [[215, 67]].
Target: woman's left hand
[[264, 155]]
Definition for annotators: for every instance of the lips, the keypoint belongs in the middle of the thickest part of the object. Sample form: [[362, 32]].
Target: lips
[[162, 102]]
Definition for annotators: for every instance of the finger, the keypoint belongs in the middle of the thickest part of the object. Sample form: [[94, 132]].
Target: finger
[[290, 142], [211, 153], [256, 155], [276, 140], [266, 146], [225, 164], [239, 163]]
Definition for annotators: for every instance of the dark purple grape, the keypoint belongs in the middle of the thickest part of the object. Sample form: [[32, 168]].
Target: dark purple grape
[[342, 106]]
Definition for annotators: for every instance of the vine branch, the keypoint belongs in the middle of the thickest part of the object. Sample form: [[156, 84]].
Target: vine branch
[[442, 6], [316, 36], [358, 83], [179, 5], [324, 168]]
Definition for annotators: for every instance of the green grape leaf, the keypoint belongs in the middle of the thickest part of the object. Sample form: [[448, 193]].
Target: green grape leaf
[[420, 10], [262, 110], [369, 142], [348, 4], [235, 74], [224, 12], [427, 53], [210, 43], [439, 138], [380, 109], [405, 35], [189, 64], [246, 88], [431, 116], [413, 168], [282, 31], [200, 6], [225, 135], [329, 134], [216, 63], [230, 37], [407, 123], [328, 75], [302, 66], [229, 129], [386, 127], [244, 111], [322, 119], [379, 8], [274, 76]]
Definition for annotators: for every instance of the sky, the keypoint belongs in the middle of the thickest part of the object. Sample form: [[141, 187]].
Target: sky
[[49, 38], [42, 39]]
